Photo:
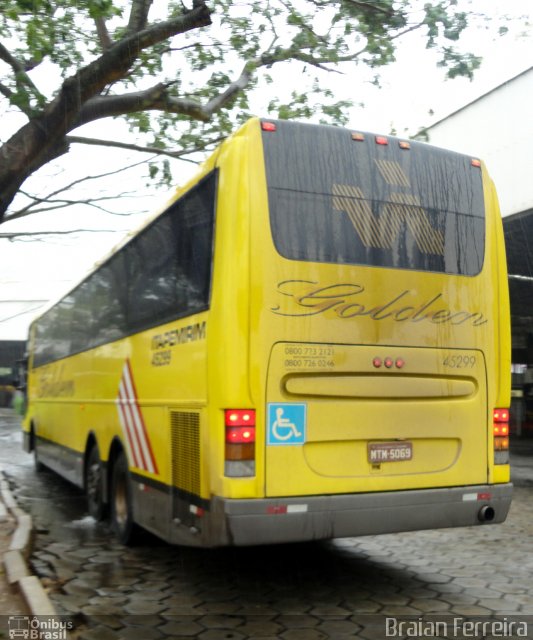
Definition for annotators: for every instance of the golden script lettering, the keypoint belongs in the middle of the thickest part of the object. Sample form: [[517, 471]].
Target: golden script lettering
[[347, 300]]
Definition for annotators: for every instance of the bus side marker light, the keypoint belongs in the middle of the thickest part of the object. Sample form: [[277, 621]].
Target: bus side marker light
[[268, 126]]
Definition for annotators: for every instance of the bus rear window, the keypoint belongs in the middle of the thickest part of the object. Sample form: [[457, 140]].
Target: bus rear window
[[339, 200]]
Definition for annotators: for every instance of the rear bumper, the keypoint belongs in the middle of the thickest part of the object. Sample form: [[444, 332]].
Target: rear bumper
[[267, 521]]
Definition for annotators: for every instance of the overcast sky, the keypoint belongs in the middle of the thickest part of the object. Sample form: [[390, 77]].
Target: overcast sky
[[412, 94]]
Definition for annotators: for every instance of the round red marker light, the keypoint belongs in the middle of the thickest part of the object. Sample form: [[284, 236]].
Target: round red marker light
[[377, 362], [389, 362], [400, 363]]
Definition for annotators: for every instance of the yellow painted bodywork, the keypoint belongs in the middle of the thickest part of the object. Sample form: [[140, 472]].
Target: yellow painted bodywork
[[262, 306]]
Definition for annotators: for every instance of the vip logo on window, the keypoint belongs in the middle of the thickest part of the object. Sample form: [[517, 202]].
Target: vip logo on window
[[400, 210]]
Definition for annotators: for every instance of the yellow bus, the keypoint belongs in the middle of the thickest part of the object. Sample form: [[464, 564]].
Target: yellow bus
[[310, 341]]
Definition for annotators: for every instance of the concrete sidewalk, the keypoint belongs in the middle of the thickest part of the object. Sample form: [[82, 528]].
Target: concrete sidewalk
[[20, 591]]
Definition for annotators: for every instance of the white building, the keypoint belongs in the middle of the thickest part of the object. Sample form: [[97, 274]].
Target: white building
[[498, 127]]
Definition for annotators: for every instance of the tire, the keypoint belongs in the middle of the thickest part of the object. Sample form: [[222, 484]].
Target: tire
[[121, 502], [37, 464], [94, 485]]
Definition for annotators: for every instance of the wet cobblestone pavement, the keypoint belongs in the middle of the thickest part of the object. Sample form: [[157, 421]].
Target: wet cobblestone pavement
[[339, 589], [307, 591]]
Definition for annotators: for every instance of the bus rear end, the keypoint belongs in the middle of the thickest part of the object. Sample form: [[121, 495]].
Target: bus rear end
[[379, 343]]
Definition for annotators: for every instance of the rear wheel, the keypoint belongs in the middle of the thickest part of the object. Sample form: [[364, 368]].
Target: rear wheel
[[121, 502], [94, 485], [37, 464]]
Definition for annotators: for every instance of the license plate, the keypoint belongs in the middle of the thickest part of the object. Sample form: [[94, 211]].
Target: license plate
[[389, 452]]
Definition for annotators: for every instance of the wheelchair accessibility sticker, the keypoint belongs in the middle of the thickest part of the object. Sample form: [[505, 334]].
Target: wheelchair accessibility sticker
[[286, 423]]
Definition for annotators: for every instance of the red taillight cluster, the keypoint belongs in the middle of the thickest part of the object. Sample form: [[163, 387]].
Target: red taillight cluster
[[240, 434], [500, 430], [501, 416], [239, 417], [240, 442]]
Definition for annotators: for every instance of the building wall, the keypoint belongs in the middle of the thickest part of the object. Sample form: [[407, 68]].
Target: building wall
[[497, 127]]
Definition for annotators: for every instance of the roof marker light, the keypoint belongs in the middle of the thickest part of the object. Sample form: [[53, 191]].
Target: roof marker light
[[475, 162], [268, 126], [404, 144], [358, 137], [382, 140]]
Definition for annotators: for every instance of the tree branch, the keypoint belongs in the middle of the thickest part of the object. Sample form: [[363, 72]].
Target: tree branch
[[103, 34], [114, 63], [27, 210], [138, 15], [15, 64], [5, 91], [157, 97], [135, 147], [371, 7], [34, 144], [21, 77]]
